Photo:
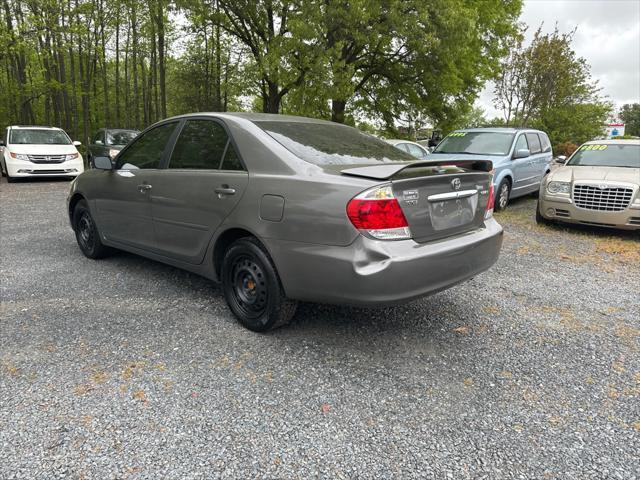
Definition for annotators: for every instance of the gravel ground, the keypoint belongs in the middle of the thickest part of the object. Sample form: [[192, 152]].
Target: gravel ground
[[126, 368]]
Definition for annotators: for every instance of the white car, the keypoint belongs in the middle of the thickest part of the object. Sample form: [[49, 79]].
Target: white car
[[39, 152], [412, 148]]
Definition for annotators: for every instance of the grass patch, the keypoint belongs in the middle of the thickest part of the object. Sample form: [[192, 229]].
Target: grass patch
[[625, 250]]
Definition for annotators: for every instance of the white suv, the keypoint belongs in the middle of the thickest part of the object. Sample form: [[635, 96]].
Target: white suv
[[39, 152]]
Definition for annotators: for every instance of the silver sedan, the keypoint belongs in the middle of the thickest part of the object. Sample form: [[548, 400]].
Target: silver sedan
[[281, 209]]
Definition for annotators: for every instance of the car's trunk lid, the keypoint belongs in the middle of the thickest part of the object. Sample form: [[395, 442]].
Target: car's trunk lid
[[438, 199]]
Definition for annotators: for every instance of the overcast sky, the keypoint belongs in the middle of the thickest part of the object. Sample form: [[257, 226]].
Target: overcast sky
[[607, 36]]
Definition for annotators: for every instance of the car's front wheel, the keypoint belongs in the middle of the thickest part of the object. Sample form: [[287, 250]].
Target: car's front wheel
[[87, 234], [252, 287]]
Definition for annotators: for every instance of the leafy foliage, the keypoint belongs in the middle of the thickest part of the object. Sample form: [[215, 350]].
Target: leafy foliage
[[547, 86], [630, 115]]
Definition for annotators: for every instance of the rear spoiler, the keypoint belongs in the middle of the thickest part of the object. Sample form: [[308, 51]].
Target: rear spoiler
[[385, 171]]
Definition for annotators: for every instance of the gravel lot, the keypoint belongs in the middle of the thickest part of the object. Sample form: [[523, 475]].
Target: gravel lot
[[126, 368]]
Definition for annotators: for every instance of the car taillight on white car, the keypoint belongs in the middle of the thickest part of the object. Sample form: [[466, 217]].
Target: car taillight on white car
[[377, 212], [489, 210]]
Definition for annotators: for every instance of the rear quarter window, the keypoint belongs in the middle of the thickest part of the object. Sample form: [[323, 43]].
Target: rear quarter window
[[545, 143]]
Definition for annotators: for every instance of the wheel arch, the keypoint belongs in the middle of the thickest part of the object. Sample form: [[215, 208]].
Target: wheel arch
[[224, 240], [73, 201]]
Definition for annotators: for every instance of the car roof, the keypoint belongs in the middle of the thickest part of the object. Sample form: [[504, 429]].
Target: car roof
[[399, 140], [499, 129], [39, 127], [258, 117], [614, 141]]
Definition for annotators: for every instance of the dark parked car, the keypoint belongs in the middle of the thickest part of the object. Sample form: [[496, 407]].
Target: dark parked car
[[280, 209], [107, 142]]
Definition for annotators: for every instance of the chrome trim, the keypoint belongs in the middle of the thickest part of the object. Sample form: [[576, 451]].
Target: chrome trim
[[439, 197], [602, 197]]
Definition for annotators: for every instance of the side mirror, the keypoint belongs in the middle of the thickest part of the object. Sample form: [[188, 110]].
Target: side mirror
[[522, 153], [102, 163], [561, 159], [76, 143]]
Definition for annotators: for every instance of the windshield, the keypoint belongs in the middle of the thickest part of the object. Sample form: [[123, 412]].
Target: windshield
[[120, 137], [615, 155], [476, 143], [33, 136], [327, 144]]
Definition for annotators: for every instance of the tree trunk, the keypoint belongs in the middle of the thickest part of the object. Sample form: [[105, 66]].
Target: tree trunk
[[337, 110]]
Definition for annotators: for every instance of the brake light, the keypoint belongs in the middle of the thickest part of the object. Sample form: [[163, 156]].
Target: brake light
[[378, 213], [489, 211]]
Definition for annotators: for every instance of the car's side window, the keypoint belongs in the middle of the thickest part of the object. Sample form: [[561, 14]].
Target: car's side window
[[534, 143], [99, 138], [231, 159], [415, 151], [148, 149], [546, 144], [521, 143], [200, 145]]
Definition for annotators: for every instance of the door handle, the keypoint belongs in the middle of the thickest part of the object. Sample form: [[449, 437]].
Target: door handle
[[225, 190], [145, 187]]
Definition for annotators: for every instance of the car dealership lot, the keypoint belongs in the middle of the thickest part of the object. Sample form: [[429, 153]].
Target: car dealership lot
[[126, 368]]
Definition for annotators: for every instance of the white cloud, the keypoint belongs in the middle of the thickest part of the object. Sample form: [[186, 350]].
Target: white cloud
[[607, 37]]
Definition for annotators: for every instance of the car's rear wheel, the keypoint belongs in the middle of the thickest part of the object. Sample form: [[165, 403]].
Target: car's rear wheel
[[502, 195], [252, 287], [87, 234]]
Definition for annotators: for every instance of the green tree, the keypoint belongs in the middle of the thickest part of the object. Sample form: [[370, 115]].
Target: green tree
[[546, 85], [630, 115]]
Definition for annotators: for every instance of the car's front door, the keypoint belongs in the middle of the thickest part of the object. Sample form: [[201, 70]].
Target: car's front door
[[123, 199], [204, 181]]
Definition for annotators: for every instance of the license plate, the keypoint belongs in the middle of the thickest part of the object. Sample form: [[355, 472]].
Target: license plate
[[453, 213]]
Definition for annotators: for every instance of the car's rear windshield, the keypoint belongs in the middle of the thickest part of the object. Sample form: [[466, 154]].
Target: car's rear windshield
[[35, 136], [476, 143], [326, 144], [604, 155], [120, 137]]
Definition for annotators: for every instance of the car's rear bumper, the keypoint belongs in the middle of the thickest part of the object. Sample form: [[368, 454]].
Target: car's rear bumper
[[372, 272], [564, 210], [24, 169]]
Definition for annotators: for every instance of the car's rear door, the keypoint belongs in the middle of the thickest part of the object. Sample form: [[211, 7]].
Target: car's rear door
[[203, 182], [523, 171], [123, 197]]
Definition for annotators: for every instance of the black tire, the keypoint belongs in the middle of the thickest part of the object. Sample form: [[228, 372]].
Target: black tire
[[252, 287], [502, 195], [87, 234], [540, 220], [2, 171]]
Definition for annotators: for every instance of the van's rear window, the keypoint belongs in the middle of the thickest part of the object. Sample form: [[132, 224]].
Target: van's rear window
[[327, 144]]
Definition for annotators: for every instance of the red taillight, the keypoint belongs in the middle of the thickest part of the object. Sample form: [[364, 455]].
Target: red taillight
[[377, 212], [489, 210], [491, 199]]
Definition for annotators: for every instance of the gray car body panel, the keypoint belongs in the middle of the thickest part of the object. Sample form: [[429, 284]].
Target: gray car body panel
[[296, 209]]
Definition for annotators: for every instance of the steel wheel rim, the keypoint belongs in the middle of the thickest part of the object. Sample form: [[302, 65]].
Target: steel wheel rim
[[504, 195], [85, 231], [249, 287]]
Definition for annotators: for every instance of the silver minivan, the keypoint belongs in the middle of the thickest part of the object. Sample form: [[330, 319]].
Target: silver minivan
[[521, 157]]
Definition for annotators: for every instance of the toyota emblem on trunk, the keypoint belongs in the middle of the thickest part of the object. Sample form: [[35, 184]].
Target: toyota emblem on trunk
[[455, 184]]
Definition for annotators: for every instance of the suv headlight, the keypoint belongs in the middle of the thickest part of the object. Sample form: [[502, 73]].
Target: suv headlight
[[71, 156], [20, 156], [558, 187]]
